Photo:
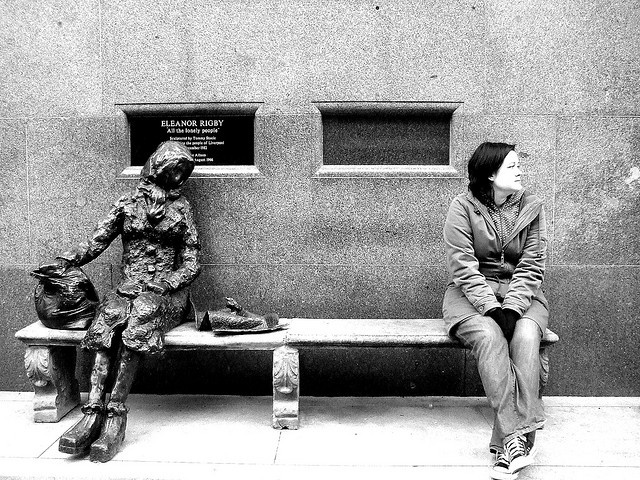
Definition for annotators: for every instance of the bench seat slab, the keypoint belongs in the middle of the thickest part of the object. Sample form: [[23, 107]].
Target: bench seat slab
[[51, 355], [377, 332]]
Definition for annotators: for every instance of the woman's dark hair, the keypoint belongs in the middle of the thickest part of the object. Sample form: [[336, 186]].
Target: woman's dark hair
[[484, 162]]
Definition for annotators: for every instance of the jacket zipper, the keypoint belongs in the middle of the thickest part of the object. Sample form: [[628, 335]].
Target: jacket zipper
[[502, 238]]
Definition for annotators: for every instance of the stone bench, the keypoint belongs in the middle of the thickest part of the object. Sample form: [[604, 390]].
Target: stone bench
[[51, 354], [50, 359], [350, 333]]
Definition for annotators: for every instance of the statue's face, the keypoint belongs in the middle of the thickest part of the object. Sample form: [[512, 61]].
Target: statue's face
[[169, 166], [175, 175]]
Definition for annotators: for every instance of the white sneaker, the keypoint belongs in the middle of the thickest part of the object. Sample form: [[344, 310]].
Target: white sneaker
[[532, 450], [520, 456], [500, 468]]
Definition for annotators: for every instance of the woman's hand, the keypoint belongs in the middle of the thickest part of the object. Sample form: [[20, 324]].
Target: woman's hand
[[130, 289], [498, 316], [160, 287], [57, 267], [506, 325], [506, 320], [511, 317]]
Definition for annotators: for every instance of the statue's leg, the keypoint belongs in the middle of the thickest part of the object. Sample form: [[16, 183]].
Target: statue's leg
[[127, 369], [101, 337], [150, 315], [80, 437], [113, 429]]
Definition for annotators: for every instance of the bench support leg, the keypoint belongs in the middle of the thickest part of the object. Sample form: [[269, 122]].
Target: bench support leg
[[544, 370], [52, 372], [286, 388]]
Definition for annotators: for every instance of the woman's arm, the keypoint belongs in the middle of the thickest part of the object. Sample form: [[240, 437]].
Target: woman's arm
[[103, 234], [190, 268], [529, 273], [462, 262]]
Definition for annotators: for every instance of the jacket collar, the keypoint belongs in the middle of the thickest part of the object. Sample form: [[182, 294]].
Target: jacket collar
[[531, 205]]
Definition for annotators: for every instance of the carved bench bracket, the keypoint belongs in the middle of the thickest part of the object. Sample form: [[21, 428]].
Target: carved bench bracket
[[286, 388], [52, 372]]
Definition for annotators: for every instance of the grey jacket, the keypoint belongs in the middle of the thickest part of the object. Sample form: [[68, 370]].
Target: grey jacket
[[486, 271]]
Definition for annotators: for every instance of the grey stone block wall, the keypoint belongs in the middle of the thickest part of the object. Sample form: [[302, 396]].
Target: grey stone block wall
[[558, 79]]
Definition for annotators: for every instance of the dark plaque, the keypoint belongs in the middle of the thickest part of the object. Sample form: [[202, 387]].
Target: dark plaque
[[212, 140]]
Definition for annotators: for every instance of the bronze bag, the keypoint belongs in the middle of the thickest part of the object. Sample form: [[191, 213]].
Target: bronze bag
[[65, 299]]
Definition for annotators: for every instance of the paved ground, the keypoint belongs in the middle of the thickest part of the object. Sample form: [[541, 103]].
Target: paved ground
[[224, 437]]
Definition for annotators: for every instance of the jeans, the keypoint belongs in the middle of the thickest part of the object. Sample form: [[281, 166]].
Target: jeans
[[510, 374]]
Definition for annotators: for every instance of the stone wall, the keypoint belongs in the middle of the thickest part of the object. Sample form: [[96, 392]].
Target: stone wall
[[560, 79]]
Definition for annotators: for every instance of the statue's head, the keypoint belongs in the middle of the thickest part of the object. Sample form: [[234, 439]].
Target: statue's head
[[169, 166]]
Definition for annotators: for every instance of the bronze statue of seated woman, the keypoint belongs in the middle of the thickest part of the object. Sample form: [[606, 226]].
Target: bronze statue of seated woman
[[160, 260]]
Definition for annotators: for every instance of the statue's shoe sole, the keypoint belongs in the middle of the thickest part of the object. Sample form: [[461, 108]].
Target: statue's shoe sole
[[107, 446], [103, 452], [78, 438], [69, 446]]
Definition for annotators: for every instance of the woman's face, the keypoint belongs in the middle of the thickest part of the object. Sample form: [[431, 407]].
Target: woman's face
[[174, 177], [507, 179]]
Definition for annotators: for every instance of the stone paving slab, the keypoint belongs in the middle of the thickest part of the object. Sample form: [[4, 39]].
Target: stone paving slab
[[182, 436]]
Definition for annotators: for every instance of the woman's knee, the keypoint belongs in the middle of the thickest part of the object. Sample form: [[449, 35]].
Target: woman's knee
[[527, 333], [481, 333], [112, 310], [147, 306]]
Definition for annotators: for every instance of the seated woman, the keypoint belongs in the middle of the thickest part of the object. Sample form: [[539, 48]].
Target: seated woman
[[160, 260], [495, 238]]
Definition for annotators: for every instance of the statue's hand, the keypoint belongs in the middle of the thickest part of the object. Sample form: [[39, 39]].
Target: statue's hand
[[57, 267], [130, 289], [160, 288]]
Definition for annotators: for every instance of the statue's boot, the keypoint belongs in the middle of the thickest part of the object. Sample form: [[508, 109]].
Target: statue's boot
[[79, 438], [114, 426], [112, 435]]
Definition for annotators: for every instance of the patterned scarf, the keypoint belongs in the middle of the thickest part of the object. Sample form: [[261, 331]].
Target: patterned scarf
[[504, 217]]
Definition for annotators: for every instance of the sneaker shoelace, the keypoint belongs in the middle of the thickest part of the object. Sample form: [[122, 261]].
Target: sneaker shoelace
[[502, 461], [515, 448]]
